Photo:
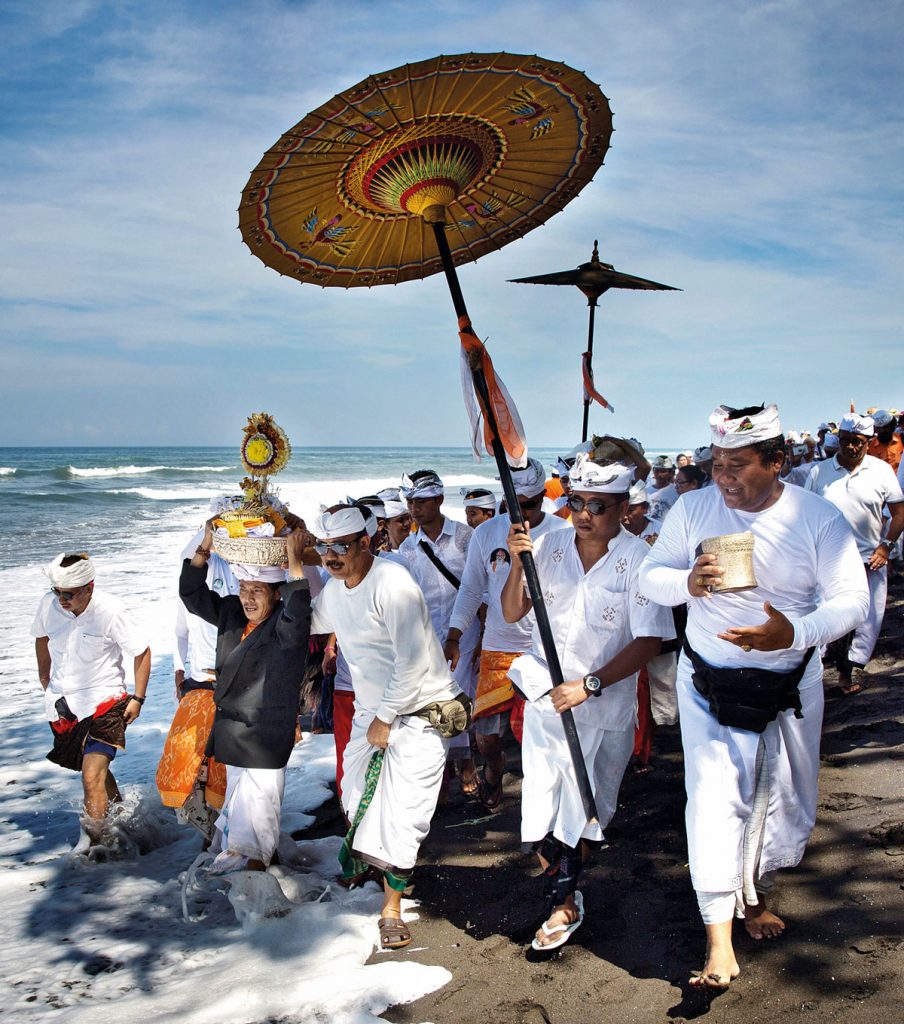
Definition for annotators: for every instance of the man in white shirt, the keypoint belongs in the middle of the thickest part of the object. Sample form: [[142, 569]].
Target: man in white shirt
[[480, 505], [394, 760], [860, 487], [662, 671], [196, 640], [398, 518], [605, 631], [486, 570], [751, 754], [436, 554], [662, 495], [80, 638]]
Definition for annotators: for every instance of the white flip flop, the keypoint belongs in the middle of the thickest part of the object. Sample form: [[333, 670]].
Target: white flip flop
[[567, 930]]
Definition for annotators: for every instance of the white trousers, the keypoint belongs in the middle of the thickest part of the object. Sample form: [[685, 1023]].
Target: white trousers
[[866, 635], [720, 776], [550, 801], [662, 672], [398, 818], [249, 820]]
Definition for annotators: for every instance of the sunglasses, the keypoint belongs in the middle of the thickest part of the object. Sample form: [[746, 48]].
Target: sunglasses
[[532, 503], [67, 595], [336, 547], [595, 508]]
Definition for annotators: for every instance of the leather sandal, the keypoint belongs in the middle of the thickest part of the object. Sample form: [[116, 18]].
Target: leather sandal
[[394, 933]]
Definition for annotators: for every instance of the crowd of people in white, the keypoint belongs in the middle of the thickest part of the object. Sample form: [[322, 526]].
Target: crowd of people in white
[[433, 664]]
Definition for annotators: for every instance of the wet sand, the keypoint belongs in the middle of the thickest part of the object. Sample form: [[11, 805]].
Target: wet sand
[[842, 955]]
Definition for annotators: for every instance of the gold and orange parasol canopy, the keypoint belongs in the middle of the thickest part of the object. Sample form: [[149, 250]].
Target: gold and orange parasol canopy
[[491, 144]]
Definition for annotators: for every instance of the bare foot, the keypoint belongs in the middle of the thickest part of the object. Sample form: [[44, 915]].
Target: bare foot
[[718, 972], [721, 967], [564, 914], [468, 779], [762, 923]]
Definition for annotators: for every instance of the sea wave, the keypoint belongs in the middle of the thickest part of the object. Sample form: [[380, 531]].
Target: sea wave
[[164, 494], [8, 470], [107, 471]]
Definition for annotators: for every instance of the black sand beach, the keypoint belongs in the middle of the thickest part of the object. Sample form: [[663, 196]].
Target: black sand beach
[[842, 955]]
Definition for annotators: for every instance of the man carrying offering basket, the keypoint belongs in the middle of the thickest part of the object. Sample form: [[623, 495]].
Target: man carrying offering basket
[[750, 677]]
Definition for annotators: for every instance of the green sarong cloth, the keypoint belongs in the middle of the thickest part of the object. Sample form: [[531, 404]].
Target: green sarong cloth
[[352, 866]]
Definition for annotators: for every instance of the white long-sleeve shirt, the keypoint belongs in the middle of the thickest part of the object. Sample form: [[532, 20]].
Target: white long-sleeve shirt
[[195, 649], [384, 630], [805, 560], [487, 567]]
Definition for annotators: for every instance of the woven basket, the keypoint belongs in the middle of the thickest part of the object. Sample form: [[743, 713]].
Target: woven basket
[[252, 550]]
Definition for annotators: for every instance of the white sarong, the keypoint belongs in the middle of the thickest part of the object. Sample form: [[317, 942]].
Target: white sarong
[[550, 800], [249, 820], [398, 818], [866, 635], [720, 773]]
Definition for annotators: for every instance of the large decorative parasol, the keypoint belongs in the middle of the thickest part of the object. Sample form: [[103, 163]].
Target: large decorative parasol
[[421, 168], [593, 279]]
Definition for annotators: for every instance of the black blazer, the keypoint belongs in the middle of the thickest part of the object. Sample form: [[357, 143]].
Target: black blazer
[[258, 679]]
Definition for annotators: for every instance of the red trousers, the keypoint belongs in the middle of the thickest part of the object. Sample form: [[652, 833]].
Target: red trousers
[[643, 734], [343, 712]]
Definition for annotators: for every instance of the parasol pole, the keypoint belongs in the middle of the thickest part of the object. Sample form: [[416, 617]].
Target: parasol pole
[[592, 303], [516, 516]]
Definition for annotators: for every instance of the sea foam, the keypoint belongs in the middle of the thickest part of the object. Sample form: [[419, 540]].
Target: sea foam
[[103, 471]]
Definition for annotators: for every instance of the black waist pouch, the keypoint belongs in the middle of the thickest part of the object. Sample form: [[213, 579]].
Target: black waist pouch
[[747, 698]]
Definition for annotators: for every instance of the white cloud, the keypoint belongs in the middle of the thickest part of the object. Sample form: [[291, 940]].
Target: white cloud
[[755, 164]]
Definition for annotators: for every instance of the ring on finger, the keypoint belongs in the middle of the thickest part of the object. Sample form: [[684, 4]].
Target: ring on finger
[[746, 647], [700, 581]]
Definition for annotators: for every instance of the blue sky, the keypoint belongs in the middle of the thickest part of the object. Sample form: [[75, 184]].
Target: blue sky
[[756, 164]]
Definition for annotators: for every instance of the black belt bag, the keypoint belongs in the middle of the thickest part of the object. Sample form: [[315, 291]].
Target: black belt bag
[[747, 698]]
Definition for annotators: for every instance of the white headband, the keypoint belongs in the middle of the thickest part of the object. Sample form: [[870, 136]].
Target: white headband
[[729, 430], [258, 573], [479, 500], [831, 442], [703, 454], [531, 480], [563, 468], [342, 523], [76, 575], [855, 424], [393, 504], [375, 504], [637, 494], [616, 478], [427, 487]]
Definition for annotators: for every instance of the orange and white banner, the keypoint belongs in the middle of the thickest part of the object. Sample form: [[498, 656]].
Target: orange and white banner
[[508, 422], [589, 390]]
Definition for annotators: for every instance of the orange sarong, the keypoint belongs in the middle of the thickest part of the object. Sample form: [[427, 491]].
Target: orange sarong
[[494, 688], [183, 753]]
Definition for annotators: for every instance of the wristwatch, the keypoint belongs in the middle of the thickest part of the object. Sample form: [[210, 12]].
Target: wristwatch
[[592, 686]]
